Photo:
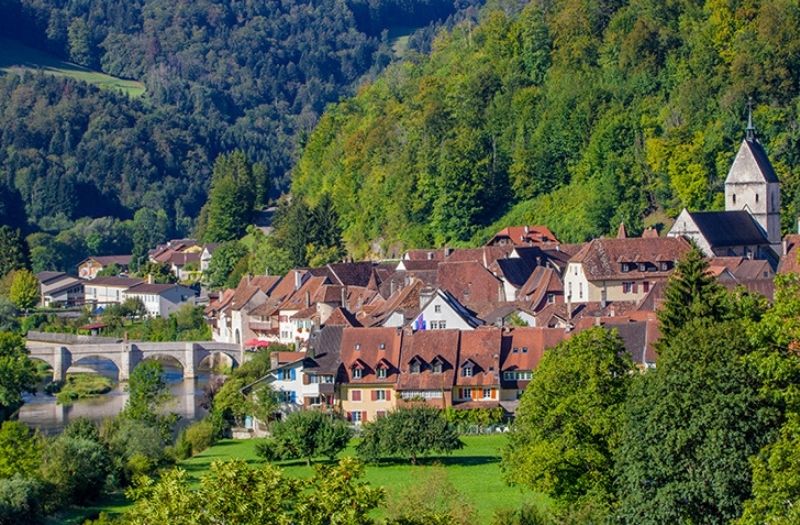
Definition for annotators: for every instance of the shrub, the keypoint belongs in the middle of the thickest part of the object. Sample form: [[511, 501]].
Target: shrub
[[200, 436], [127, 438], [76, 467], [20, 500]]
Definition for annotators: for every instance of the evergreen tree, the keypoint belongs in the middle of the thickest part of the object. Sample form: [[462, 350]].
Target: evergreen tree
[[149, 229], [13, 251], [691, 293], [231, 200]]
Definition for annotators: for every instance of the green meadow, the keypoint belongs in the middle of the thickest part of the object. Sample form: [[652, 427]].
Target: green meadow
[[474, 471], [18, 58]]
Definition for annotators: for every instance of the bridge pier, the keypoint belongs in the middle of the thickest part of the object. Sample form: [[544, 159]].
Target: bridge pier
[[62, 359], [125, 364], [188, 361]]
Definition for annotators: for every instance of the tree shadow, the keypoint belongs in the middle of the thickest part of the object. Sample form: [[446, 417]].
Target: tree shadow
[[463, 461]]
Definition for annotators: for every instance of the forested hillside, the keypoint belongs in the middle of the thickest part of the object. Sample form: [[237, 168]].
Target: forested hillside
[[219, 76], [574, 113]]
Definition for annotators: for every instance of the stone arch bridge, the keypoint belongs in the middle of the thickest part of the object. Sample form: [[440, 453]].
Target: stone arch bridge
[[61, 351]]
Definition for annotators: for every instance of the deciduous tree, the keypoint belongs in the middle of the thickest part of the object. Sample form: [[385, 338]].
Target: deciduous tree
[[17, 373], [306, 434], [24, 291]]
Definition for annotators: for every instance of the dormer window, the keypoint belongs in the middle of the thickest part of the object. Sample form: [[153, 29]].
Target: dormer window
[[415, 367], [381, 373], [357, 373], [358, 346], [466, 371], [524, 349], [551, 298], [642, 267], [382, 346], [515, 350], [664, 266], [624, 267], [437, 367]]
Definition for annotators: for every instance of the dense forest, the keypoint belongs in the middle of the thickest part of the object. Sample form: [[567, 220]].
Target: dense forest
[[574, 113], [219, 76]]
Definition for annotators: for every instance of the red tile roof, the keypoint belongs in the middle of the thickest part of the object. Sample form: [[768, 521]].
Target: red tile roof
[[367, 348], [342, 317], [790, 262], [481, 348], [524, 347], [603, 258], [471, 284], [427, 347], [524, 235]]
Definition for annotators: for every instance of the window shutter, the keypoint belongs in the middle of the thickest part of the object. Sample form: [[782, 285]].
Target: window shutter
[[349, 416], [635, 287], [494, 394], [363, 416], [292, 374], [374, 395], [388, 395], [293, 396], [306, 379]]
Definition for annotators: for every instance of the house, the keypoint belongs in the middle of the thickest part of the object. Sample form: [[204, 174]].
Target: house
[[439, 310], [523, 236], [750, 225], [58, 288], [471, 283], [543, 287], [368, 372], [160, 300], [89, 267], [428, 362], [477, 381], [607, 270], [790, 260], [514, 273], [522, 350], [184, 265], [756, 276], [251, 292], [321, 367], [206, 254], [102, 291], [296, 330]]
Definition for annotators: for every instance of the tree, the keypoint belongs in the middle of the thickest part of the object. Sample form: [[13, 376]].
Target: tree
[[159, 273], [567, 425], [20, 450], [8, 316], [80, 43], [17, 373], [691, 426], [149, 229], [24, 291], [222, 264], [147, 392], [306, 434], [409, 432], [691, 293], [231, 199], [21, 500], [268, 257], [431, 500], [76, 467], [13, 255], [233, 492]]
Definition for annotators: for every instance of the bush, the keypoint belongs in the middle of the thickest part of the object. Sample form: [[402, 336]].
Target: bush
[[20, 500], [306, 434], [76, 467], [127, 439], [199, 436], [527, 515]]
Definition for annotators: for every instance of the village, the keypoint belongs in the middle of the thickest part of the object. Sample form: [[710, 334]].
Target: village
[[454, 328]]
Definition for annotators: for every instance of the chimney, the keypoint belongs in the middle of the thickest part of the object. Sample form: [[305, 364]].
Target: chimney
[[308, 298], [149, 278], [298, 280], [344, 297], [448, 251], [391, 286]]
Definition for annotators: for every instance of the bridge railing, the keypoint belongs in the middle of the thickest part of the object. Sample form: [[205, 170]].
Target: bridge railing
[[69, 339]]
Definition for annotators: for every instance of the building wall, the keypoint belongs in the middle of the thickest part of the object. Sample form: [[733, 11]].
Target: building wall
[[477, 393], [433, 319], [369, 408], [287, 327], [103, 294], [89, 269], [576, 285]]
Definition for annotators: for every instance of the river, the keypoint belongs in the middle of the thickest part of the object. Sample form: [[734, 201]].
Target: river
[[43, 412]]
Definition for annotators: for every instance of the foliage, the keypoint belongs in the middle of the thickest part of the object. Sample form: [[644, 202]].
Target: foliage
[[567, 425], [159, 273], [691, 293], [149, 228], [231, 199], [24, 291], [305, 435], [431, 500], [409, 432], [691, 426], [527, 515], [76, 467], [470, 420], [199, 436], [136, 447], [20, 450], [8, 316], [578, 115], [83, 386], [17, 373], [147, 392], [13, 254], [226, 256], [21, 500], [232, 492]]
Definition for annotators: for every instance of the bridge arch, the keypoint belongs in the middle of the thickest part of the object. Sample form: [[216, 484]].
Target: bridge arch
[[92, 360], [205, 359]]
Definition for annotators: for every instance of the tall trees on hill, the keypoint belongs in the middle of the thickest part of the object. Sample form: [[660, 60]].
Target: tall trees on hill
[[17, 374]]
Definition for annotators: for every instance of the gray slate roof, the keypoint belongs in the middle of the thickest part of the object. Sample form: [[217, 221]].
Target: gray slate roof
[[729, 228], [757, 150]]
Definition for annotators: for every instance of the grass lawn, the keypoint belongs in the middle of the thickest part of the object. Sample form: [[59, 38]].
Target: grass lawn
[[16, 58], [474, 471]]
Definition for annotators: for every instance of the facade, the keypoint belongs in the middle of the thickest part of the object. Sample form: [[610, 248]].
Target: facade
[[59, 289], [428, 363], [521, 353], [441, 311], [89, 267], [607, 270], [102, 291], [477, 376], [160, 300], [369, 372]]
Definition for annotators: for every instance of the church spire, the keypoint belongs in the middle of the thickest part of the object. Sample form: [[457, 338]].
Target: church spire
[[750, 133]]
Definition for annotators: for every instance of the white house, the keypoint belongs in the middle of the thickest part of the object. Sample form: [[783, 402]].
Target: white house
[[160, 300], [440, 311], [102, 291], [59, 288]]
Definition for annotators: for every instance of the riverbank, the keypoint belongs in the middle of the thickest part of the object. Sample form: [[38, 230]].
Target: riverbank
[[84, 385], [474, 471]]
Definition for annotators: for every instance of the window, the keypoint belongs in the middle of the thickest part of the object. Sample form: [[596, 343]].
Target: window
[[624, 267], [664, 266], [627, 287], [355, 395], [646, 286], [355, 417], [434, 325], [288, 396], [382, 346], [734, 198], [381, 373], [357, 373], [642, 267], [515, 350], [437, 367], [316, 400], [421, 394], [467, 371], [437, 308], [756, 197], [524, 349], [575, 269], [551, 298], [487, 393], [580, 290], [358, 346], [415, 368], [466, 393], [380, 395]]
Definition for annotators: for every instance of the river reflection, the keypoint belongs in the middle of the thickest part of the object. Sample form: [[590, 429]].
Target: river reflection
[[43, 412]]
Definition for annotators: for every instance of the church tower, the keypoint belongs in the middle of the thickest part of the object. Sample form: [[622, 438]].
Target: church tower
[[752, 185]]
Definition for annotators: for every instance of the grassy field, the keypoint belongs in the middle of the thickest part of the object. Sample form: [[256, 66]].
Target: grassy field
[[83, 386], [16, 58], [474, 471]]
